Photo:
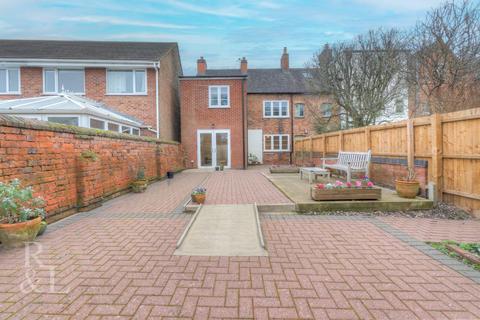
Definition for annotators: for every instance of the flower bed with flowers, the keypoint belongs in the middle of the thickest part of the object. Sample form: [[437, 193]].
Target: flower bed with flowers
[[359, 190]]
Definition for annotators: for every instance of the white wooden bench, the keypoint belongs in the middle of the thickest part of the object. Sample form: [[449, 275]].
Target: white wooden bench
[[350, 162]]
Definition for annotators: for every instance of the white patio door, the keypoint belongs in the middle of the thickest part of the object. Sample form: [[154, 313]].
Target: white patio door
[[213, 148]]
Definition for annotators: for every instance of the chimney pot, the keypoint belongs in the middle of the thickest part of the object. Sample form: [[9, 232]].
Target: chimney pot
[[284, 61], [243, 66], [201, 66]]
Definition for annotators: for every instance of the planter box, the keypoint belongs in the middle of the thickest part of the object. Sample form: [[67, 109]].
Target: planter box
[[284, 170], [346, 194]]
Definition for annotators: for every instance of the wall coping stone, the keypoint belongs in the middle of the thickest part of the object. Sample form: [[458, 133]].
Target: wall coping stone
[[80, 133]]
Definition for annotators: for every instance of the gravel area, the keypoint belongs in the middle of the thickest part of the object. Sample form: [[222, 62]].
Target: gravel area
[[441, 211]]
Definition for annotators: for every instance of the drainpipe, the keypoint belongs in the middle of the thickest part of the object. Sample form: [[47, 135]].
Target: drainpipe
[[156, 65], [291, 128], [244, 122]]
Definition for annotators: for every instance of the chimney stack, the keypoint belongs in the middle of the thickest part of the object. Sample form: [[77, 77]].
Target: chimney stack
[[284, 63], [243, 66], [201, 66]]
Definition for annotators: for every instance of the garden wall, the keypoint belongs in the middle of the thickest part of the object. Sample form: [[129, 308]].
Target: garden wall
[[76, 169], [443, 148]]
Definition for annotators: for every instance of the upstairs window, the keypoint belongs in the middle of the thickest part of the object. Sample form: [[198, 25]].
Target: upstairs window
[[275, 109], [10, 81], [276, 142], [399, 106], [326, 110], [127, 82], [64, 80], [219, 96], [299, 110]]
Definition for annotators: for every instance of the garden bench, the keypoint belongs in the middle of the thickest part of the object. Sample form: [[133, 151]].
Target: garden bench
[[350, 162]]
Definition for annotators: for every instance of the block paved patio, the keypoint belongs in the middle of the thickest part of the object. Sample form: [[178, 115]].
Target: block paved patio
[[117, 262]]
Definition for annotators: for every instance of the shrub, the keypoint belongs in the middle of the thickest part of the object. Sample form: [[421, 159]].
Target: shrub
[[18, 204]]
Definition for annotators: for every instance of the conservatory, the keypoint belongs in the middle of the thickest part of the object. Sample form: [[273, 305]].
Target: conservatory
[[72, 110]]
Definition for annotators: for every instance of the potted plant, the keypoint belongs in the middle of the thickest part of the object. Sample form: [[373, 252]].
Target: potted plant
[[141, 183], [20, 214], [408, 187], [199, 194]]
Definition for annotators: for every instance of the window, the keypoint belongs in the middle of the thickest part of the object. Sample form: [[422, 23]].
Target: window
[[299, 110], [64, 80], [126, 82], [276, 142], [113, 127], [399, 106], [135, 131], [71, 121], [126, 129], [219, 96], [9, 81], [326, 109], [275, 109], [97, 124]]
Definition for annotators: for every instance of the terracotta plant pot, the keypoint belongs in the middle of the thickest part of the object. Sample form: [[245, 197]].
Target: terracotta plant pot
[[199, 198], [407, 189], [139, 186], [15, 234]]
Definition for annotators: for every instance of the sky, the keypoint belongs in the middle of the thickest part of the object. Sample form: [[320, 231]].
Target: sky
[[221, 31]]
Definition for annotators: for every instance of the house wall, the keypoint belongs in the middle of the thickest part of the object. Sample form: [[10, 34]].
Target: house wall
[[195, 114], [142, 107], [301, 126], [57, 162]]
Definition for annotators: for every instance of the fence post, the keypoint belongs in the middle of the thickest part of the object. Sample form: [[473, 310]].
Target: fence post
[[437, 155], [324, 146], [311, 149], [340, 143], [410, 144], [368, 140]]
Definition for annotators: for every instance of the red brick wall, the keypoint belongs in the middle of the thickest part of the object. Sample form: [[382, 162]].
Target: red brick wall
[[142, 107], [195, 114], [50, 159], [301, 126]]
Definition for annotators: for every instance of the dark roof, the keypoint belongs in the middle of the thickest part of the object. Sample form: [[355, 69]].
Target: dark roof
[[84, 50], [265, 80], [276, 81]]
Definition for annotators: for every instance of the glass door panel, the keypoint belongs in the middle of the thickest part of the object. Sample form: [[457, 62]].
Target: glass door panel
[[221, 147], [206, 149]]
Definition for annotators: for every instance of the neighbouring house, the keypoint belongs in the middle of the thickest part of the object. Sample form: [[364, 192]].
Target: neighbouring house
[[135, 80], [72, 110], [237, 117]]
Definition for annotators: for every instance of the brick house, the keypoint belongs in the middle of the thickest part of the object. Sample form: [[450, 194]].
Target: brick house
[[137, 79], [242, 116]]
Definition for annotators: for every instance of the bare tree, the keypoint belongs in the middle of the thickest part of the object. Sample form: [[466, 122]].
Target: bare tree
[[364, 75], [445, 58]]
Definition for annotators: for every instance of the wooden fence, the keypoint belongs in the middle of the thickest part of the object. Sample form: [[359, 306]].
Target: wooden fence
[[450, 143]]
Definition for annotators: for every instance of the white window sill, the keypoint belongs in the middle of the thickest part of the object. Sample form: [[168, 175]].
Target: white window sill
[[275, 151], [10, 93], [126, 94], [217, 107], [276, 117], [57, 93]]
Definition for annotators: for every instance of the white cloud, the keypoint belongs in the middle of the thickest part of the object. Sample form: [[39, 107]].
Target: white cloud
[[401, 5], [175, 37], [124, 22]]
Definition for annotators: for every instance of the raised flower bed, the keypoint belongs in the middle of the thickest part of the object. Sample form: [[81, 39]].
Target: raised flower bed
[[360, 190]]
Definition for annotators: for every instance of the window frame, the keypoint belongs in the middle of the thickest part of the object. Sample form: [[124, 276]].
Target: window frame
[[47, 118], [282, 135], [133, 93], [303, 110], [7, 83], [219, 92], [324, 115], [56, 81], [279, 111]]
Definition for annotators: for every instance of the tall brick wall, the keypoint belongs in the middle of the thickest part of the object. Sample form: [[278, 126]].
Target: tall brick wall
[[195, 114], [74, 168]]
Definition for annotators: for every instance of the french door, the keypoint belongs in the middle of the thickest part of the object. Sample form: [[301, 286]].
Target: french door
[[213, 148]]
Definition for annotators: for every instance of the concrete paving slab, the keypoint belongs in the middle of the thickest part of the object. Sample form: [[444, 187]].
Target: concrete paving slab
[[223, 230]]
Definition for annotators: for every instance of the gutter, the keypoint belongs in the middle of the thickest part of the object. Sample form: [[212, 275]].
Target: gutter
[[291, 128], [75, 63], [245, 126], [156, 65]]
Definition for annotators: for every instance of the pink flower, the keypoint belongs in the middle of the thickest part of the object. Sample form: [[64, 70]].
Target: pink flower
[[349, 184], [358, 184], [338, 183], [320, 186], [370, 184]]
